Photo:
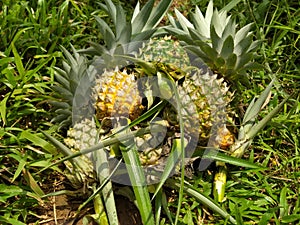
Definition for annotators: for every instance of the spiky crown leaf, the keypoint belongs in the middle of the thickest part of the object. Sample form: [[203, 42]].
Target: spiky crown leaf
[[72, 87]]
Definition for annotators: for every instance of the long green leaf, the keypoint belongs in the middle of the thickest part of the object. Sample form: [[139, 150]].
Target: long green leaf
[[255, 107], [261, 124], [171, 163], [16, 37], [11, 221], [32, 183], [36, 140], [157, 14], [107, 33], [243, 45], [231, 160], [3, 109], [103, 171], [230, 5], [227, 48], [111, 10], [18, 61], [188, 189], [136, 11], [141, 18], [138, 181], [158, 206], [100, 145], [121, 25], [184, 22]]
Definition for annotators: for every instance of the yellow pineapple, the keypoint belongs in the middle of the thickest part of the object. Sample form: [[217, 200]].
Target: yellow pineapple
[[116, 94]]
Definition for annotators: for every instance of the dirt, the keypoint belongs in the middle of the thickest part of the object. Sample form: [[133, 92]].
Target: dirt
[[61, 210]]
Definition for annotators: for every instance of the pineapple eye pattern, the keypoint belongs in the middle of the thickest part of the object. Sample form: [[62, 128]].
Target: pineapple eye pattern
[[129, 88]]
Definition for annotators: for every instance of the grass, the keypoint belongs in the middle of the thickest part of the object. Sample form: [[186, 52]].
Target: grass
[[29, 50]]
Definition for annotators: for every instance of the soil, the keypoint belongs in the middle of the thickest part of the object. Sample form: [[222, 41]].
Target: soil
[[61, 210]]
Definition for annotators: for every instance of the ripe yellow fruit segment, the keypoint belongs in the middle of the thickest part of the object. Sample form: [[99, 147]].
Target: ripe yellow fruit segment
[[116, 94]]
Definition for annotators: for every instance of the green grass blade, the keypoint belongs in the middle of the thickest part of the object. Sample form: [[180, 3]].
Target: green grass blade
[[3, 109], [36, 140], [18, 61], [32, 183], [291, 218], [11, 221], [165, 207], [232, 160], [158, 206], [188, 189], [172, 160], [230, 5], [75, 5], [21, 166], [16, 37], [283, 201]]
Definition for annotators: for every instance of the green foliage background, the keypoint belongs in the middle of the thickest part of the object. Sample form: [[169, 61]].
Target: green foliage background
[[30, 35]]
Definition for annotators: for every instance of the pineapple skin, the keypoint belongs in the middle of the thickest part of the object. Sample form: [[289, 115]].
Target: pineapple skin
[[116, 94]]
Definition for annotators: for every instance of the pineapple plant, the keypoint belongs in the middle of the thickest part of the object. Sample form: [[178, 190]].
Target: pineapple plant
[[214, 38], [229, 53], [104, 83], [102, 86], [111, 85], [115, 90]]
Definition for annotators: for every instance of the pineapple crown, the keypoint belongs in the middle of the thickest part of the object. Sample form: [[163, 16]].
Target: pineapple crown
[[214, 38], [142, 26], [125, 37], [72, 90]]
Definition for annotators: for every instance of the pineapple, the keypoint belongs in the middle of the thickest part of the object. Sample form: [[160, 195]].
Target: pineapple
[[81, 136], [116, 94], [204, 99], [116, 91], [227, 51], [166, 51], [199, 88]]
